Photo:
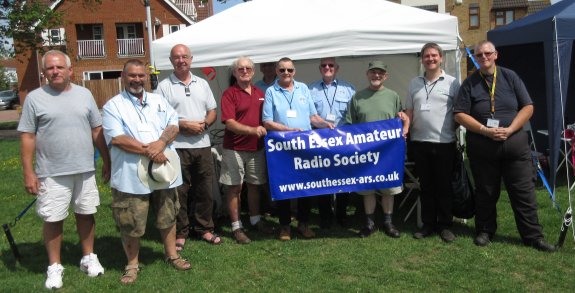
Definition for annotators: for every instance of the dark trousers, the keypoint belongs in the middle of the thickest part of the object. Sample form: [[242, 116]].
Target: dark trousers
[[325, 206], [434, 166], [195, 194], [509, 160], [303, 210]]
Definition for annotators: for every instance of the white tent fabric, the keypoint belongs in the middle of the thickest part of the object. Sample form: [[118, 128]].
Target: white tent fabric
[[267, 30]]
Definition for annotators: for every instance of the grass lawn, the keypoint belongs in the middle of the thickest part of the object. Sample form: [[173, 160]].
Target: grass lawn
[[336, 261]]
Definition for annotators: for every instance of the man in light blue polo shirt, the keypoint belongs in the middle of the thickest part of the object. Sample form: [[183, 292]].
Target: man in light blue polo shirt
[[288, 106], [331, 97], [140, 127]]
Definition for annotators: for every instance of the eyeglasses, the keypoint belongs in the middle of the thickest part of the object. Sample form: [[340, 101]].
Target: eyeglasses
[[188, 93], [330, 65], [180, 57], [484, 54], [245, 69], [283, 70]]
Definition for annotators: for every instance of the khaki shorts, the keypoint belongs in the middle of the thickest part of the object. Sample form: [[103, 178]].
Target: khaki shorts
[[386, 191], [240, 165], [57, 193], [130, 211]]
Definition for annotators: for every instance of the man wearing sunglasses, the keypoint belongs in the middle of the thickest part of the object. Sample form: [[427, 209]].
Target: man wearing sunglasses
[[375, 103], [288, 106], [331, 97], [243, 155], [493, 105], [194, 101]]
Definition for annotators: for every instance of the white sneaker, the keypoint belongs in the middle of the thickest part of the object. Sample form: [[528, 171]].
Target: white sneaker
[[90, 265], [54, 276]]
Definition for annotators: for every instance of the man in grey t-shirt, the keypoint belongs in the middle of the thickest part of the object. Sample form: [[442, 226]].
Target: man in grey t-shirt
[[60, 124]]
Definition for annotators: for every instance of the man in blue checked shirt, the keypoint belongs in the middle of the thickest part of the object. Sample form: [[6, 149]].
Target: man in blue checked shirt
[[331, 97]]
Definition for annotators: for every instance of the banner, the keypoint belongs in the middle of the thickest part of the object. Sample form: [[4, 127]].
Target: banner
[[356, 157]]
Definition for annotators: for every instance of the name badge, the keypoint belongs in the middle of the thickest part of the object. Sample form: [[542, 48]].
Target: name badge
[[493, 123], [425, 107], [291, 113], [330, 117]]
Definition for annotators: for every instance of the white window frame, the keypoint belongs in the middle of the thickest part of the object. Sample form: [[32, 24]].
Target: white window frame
[[54, 37], [95, 34]]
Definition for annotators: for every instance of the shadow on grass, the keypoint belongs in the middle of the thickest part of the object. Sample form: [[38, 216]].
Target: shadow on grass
[[109, 250]]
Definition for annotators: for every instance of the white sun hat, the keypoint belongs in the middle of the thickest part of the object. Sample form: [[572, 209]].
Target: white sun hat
[[159, 176]]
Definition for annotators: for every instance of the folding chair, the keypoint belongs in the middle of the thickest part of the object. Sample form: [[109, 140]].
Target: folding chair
[[411, 183]]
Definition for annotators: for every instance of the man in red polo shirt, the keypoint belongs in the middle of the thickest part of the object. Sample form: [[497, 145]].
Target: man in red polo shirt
[[243, 156]]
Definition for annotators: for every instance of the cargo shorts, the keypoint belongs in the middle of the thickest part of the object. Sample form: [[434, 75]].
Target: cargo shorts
[[130, 211]]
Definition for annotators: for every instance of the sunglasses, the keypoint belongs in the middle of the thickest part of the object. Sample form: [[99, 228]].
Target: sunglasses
[[188, 93], [484, 54], [246, 69], [283, 70], [330, 65]]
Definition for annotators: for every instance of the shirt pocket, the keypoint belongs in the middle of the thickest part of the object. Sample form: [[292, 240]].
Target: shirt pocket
[[340, 104]]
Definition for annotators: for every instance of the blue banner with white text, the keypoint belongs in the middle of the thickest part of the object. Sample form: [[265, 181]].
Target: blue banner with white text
[[356, 157]]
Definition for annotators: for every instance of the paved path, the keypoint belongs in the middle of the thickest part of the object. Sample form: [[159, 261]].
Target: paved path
[[9, 115]]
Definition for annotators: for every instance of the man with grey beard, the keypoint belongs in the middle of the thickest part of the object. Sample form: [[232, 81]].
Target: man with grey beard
[[139, 128]]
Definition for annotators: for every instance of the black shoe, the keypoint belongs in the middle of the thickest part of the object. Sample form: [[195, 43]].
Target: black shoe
[[425, 232], [390, 230], [541, 245], [482, 239], [366, 231], [447, 236]]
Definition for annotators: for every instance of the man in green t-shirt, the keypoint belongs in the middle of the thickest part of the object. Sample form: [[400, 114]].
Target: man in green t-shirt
[[375, 103]]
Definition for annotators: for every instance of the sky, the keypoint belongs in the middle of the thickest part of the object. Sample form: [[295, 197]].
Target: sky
[[218, 7]]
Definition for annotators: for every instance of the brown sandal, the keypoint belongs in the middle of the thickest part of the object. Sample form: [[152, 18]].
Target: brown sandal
[[178, 263], [130, 274]]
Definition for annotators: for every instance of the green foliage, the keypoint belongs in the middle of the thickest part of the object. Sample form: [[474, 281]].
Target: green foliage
[[5, 83], [336, 261]]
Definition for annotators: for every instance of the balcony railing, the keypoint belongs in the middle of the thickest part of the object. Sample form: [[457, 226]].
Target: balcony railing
[[130, 47], [91, 49], [187, 7]]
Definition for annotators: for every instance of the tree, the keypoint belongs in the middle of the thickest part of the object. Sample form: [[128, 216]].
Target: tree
[[24, 21], [5, 79]]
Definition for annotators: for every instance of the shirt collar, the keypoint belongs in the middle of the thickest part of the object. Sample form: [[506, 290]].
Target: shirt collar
[[174, 79]]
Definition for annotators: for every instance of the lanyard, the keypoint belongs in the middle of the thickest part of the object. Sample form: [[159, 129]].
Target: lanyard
[[430, 90], [325, 91], [288, 100], [144, 104], [491, 90]]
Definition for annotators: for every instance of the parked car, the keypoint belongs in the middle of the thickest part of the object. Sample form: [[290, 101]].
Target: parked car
[[8, 99]]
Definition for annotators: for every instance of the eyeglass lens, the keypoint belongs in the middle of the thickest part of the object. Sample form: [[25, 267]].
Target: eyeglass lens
[[330, 65], [283, 70], [484, 54], [246, 69]]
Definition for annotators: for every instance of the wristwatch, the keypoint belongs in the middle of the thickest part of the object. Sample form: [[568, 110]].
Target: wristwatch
[[206, 125]]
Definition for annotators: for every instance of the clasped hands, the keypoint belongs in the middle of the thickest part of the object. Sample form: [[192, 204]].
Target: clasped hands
[[155, 151]]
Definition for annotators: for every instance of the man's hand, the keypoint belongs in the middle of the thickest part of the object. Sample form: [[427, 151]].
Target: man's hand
[[155, 149], [260, 131], [106, 172], [31, 183], [160, 158], [500, 133], [189, 128]]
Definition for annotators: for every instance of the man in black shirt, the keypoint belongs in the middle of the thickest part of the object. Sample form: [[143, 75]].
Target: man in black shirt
[[493, 105]]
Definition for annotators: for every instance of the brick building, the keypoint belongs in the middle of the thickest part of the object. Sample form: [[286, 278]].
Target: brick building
[[100, 38], [476, 17]]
